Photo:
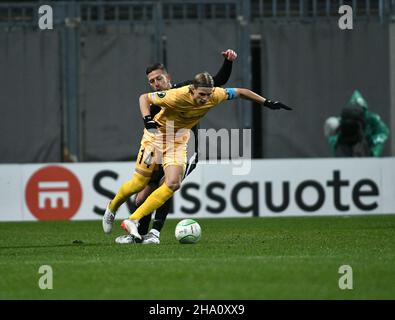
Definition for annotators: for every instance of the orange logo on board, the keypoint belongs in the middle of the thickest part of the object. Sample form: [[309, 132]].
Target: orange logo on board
[[53, 193]]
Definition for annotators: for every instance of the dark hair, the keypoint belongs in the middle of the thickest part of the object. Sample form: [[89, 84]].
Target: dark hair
[[203, 80], [155, 66]]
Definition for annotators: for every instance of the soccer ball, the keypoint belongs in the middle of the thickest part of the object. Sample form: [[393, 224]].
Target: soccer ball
[[188, 231]]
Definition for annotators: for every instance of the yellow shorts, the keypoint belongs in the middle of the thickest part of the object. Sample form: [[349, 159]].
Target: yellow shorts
[[162, 149]]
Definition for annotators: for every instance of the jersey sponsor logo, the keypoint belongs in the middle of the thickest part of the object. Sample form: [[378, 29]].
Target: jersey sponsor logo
[[161, 94], [53, 193]]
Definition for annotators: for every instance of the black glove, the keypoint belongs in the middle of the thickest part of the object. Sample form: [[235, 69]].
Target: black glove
[[150, 124], [275, 105]]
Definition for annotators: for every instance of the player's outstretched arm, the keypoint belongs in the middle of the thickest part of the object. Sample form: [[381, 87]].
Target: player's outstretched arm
[[224, 73], [252, 96], [144, 105]]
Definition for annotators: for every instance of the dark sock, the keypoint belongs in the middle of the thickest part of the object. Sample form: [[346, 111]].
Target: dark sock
[[158, 225], [144, 224], [161, 214]]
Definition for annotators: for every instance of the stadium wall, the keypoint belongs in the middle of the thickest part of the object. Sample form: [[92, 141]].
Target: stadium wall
[[312, 66], [112, 77], [316, 67], [266, 188], [30, 97]]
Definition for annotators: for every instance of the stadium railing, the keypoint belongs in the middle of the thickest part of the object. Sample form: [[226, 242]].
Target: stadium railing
[[125, 12]]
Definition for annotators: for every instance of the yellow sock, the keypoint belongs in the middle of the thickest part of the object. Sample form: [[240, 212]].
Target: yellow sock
[[130, 187], [153, 202]]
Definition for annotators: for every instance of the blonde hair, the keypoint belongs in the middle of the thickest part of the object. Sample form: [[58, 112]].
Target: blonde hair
[[203, 79]]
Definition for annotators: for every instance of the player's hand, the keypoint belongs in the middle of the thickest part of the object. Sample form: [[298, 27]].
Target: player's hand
[[150, 124], [229, 55], [275, 105]]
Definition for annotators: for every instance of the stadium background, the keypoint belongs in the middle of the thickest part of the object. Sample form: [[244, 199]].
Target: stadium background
[[74, 90]]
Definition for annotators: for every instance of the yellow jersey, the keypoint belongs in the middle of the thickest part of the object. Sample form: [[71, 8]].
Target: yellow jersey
[[179, 111]]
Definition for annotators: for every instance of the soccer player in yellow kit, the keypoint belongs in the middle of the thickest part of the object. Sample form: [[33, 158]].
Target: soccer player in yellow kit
[[165, 141], [160, 80]]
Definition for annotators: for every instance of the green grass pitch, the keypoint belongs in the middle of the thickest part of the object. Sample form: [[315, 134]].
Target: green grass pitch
[[249, 258]]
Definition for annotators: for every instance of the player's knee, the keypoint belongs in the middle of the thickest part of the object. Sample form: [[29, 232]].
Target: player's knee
[[173, 184]]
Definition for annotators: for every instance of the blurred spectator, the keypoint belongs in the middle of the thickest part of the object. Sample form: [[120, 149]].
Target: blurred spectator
[[358, 132]]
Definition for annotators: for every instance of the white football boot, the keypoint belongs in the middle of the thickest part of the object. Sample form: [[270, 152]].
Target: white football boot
[[125, 239], [108, 220], [152, 237], [130, 226]]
